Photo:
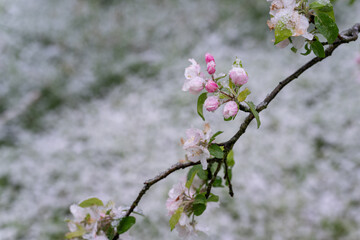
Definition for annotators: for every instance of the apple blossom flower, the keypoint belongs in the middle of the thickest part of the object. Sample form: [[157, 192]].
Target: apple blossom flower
[[193, 70], [211, 103], [211, 67], [188, 228], [211, 86], [209, 58], [194, 85], [196, 145], [238, 75], [230, 110], [177, 195]]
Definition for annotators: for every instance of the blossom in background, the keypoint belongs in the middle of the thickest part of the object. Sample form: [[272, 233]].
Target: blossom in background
[[196, 145], [211, 103], [194, 81], [230, 110], [238, 75]]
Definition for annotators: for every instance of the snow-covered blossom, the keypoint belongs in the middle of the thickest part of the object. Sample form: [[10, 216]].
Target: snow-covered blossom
[[189, 228], [238, 75], [211, 67], [179, 195], [211, 86], [211, 103], [285, 16], [196, 145], [230, 110], [194, 81], [209, 58], [90, 222]]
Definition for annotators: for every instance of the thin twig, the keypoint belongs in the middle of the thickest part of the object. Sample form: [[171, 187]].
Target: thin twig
[[227, 177], [208, 190]]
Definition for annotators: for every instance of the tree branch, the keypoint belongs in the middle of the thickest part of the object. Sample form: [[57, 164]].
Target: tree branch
[[346, 36]]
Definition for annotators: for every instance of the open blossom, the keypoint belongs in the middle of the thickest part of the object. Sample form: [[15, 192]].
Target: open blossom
[[211, 86], [194, 81], [188, 228], [284, 15], [177, 195], [211, 103], [238, 76], [230, 110], [196, 145]]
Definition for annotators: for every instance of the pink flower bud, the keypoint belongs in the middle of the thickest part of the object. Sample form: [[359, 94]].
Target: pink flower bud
[[211, 67], [211, 86], [209, 58], [238, 76], [357, 59], [196, 85], [211, 103], [230, 109]]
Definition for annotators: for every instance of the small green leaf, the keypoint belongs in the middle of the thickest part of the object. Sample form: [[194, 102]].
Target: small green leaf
[[216, 151], [199, 209], [125, 224], [254, 112], [213, 198], [230, 159], [214, 136], [326, 26], [80, 231], [229, 172], [243, 95], [110, 232], [214, 167], [91, 202], [294, 50], [200, 105], [218, 182], [200, 199], [218, 78], [281, 32], [317, 48], [308, 50], [190, 180], [202, 174], [324, 7], [175, 217]]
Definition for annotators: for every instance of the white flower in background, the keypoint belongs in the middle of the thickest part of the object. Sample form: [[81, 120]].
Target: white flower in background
[[194, 80], [188, 228], [179, 195], [277, 5], [196, 145]]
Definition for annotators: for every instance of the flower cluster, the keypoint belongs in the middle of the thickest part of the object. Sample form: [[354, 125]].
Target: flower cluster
[[286, 17], [196, 145], [94, 221], [182, 206], [223, 92]]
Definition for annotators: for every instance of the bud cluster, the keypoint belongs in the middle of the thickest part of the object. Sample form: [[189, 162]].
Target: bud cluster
[[224, 91]]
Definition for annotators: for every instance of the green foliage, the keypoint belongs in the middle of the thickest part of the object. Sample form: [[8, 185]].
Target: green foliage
[[201, 173], [214, 136], [200, 104], [175, 217], [216, 151], [213, 198], [230, 159], [281, 32], [243, 95], [199, 204], [326, 26], [191, 176], [125, 224], [254, 112], [218, 182], [317, 48], [80, 231], [91, 202]]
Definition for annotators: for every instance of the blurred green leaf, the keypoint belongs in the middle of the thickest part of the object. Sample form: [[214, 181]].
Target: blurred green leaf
[[175, 217], [125, 224], [91, 202], [200, 105]]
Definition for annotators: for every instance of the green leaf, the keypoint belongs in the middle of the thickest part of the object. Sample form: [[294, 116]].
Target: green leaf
[[214, 136], [254, 112], [200, 105], [110, 232], [230, 176], [80, 231], [190, 177], [199, 209], [214, 167], [293, 49], [326, 26], [213, 198], [325, 8], [308, 50], [218, 182], [230, 159], [125, 224], [317, 48], [200, 199], [281, 32], [175, 217], [243, 95], [202, 174], [216, 151], [91, 202]]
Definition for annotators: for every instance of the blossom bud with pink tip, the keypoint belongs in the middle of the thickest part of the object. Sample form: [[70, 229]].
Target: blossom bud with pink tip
[[238, 76], [209, 58], [211, 67], [230, 109], [211, 86], [211, 103], [196, 85]]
